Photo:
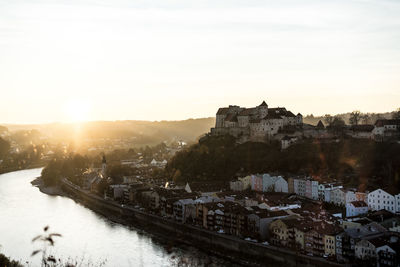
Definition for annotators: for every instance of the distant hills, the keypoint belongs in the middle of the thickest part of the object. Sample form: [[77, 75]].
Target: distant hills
[[149, 132], [146, 132]]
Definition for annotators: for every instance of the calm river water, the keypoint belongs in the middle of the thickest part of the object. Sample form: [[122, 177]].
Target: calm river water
[[24, 211]]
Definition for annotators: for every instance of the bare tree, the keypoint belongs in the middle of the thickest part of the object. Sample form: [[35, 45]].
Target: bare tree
[[355, 117], [366, 119]]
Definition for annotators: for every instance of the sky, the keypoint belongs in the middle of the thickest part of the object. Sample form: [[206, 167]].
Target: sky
[[170, 59]]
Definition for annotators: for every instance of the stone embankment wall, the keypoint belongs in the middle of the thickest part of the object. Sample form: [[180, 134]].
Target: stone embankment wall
[[225, 245]]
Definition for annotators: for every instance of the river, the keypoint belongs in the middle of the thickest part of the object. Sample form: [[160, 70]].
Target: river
[[86, 236]]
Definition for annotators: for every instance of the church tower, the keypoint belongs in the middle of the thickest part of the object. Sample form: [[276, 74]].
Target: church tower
[[104, 166]]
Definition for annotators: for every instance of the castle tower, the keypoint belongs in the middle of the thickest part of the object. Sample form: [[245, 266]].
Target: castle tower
[[262, 110], [104, 166]]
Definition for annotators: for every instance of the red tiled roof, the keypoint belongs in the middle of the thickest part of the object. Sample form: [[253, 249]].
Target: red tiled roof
[[359, 204], [362, 128], [383, 122]]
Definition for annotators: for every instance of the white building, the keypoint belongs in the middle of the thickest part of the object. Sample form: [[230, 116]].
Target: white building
[[236, 185], [325, 191], [312, 189], [299, 187], [246, 182], [380, 199], [385, 128], [274, 184], [356, 208], [338, 196]]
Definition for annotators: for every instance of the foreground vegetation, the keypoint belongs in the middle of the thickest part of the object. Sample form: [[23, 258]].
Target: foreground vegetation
[[5, 261], [352, 161]]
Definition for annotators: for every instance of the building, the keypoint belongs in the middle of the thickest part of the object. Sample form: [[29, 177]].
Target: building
[[312, 189], [349, 238], [299, 186], [360, 131], [258, 222], [386, 129], [246, 182], [257, 123], [325, 191], [338, 197], [184, 209], [379, 251], [287, 141], [257, 183], [303, 186], [381, 199], [274, 184], [279, 231], [236, 185], [356, 208], [104, 166]]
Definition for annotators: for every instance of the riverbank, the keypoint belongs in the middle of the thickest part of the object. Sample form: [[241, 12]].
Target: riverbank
[[49, 190], [229, 247], [19, 168]]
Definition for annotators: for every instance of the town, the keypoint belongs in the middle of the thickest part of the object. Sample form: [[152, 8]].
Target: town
[[317, 219], [314, 214], [304, 213]]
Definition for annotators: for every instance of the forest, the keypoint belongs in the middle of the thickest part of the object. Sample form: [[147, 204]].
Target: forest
[[355, 162]]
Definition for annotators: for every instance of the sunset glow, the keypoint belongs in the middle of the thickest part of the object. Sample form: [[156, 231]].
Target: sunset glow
[[77, 111]]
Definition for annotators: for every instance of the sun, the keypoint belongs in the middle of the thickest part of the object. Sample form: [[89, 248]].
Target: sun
[[77, 110]]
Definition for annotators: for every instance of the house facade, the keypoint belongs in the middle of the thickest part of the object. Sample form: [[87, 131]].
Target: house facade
[[356, 208], [380, 199], [274, 184]]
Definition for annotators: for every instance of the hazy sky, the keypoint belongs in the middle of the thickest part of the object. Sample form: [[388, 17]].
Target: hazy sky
[[171, 59]]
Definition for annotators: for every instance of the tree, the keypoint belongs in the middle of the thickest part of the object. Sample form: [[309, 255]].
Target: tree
[[4, 147], [355, 117], [337, 125], [366, 119], [328, 119], [52, 172], [3, 129], [177, 176], [396, 114]]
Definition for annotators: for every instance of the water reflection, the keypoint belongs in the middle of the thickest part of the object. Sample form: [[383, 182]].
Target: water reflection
[[87, 236]]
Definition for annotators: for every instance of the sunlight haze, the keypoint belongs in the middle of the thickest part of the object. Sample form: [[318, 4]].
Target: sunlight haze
[[170, 60]]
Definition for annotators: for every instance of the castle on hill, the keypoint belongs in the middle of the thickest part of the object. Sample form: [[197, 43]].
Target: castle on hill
[[257, 124]]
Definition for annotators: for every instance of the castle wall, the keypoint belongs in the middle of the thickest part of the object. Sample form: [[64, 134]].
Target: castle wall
[[253, 122]]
